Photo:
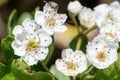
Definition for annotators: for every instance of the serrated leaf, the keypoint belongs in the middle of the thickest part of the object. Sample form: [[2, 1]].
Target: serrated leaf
[[23, 16], [12, 21], [3, 70], [7, 49], [73, 43], [58, 74], [23, 72]]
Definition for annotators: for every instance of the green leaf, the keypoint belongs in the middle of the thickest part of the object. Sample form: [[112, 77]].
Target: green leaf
[[3, 70], [117, 64], [73, 43], [58, 74], [107, 74], [12, 21], [40, 66], [24, 16], [7, 49], [51, 50], [9, 76], [23, 72], [83, 44]]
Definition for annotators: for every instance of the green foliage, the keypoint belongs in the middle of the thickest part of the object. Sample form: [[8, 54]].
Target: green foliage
[[83, 44], [12, 21], [58, 74], [7, 49], [73, 43], [40, 66], [23, 72], [9, 76], [3, 70]]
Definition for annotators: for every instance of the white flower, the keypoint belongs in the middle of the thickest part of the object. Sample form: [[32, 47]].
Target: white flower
[[72, 62], [51, 21], [106, 12], [110, 30], [87, 17], [31, 43], [101, 53], [115, 4], [74, 7]]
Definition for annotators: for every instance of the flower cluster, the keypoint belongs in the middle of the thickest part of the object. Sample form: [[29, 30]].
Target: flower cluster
[[32, 38], [101, 52]]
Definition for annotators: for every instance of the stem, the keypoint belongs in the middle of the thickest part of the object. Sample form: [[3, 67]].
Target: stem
[[44, 66], [73, 78], [78, 44], [89, 30], [72, 16], [90, 67]]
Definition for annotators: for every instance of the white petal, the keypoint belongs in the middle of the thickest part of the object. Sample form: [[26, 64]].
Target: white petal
[[26, 22], [60, 19], [113, 56], [30, 60], [66, 53], [74, 7], [102, 8], [19, 50], [61, 28], [49, 31], [39, 17], [20, 38], [115, 4], [17, 30], [61, 66], [46, 40], [80, 59], [42, 53]]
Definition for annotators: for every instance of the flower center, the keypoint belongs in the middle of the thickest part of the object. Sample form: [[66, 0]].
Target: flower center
[[32, 46], [111, 34], [50, 22], [71, 65], [110, 16], [101, 56]]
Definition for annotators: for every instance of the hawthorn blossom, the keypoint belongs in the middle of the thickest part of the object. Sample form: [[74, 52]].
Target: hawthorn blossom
[[106, 12], [72, 62], [110, 30], [115, 4], [50, 20], [87, 17], [101, 52], [74, 7], [30, 42]]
